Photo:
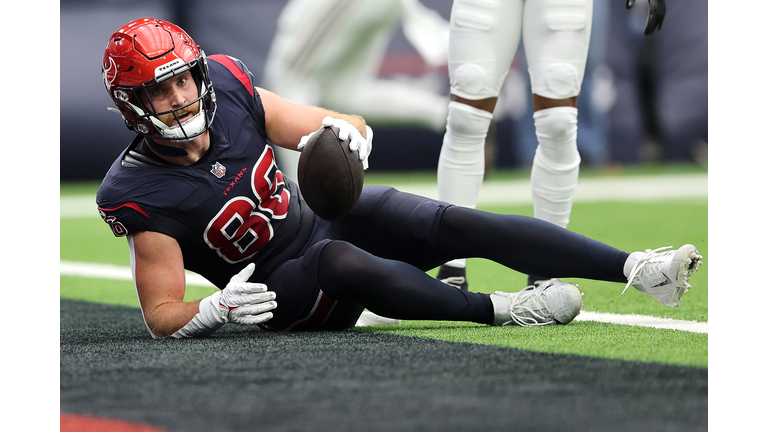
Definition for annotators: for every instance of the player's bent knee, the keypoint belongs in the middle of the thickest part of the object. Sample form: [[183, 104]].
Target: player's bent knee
[[339, 259], [339, 251]]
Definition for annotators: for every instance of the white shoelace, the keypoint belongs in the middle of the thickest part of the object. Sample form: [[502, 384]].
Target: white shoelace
[[525, 321], [649, 253]]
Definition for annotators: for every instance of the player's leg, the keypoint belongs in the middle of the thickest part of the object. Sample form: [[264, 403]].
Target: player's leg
[[528, 245], [352, 276], [425, 233], [533, 246], [556, 39], [395, 289], [328, 287], [483, 41]]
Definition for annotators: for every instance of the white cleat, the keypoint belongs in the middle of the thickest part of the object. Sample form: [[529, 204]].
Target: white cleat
[[368, 318], [533, 306], [664, 276]]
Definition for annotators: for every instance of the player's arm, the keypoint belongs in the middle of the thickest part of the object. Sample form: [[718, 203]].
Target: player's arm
[[290, 125], [287, 122], [160, 284]]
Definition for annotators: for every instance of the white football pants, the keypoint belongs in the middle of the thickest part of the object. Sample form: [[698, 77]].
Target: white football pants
[[483, 41]]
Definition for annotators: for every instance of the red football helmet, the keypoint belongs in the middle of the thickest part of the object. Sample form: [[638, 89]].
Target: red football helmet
[[148, 51]]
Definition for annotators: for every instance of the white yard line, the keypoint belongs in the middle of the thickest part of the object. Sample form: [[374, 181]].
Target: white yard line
[[109, 271]]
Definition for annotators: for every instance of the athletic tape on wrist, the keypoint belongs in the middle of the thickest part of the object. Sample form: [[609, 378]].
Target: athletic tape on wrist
[[206, 321]]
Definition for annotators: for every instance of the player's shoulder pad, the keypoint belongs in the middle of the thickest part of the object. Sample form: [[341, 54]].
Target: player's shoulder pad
[[237, 68]]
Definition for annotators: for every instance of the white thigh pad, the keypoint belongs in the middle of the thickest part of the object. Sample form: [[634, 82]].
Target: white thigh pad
[[483, 41], [567, 14], [556, 34], [475, 14]]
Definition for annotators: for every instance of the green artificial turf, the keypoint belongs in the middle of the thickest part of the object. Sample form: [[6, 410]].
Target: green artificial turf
[[585, 338], [243, 378], [628, 226]]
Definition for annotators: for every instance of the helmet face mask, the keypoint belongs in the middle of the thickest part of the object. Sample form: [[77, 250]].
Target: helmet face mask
[[147, 52]]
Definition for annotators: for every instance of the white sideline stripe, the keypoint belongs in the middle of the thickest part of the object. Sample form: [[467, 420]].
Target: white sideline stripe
[[634, 188], [644, 321], [110, 271]]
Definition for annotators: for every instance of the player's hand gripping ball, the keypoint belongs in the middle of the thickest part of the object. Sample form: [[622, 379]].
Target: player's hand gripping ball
[[330, 173]]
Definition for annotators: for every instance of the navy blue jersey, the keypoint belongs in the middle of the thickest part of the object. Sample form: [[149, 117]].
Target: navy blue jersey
[[232, 207]]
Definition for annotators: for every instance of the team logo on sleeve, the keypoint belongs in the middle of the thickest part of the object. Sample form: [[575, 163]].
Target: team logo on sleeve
[[218, 170]]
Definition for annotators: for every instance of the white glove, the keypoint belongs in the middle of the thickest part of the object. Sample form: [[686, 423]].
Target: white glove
[[363, 146], [240, 302], [244, 302]]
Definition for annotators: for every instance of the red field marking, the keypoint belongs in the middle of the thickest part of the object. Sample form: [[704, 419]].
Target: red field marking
[[76, 423]]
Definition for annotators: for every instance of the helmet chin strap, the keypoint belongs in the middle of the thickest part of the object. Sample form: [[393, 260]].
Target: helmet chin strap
[[164, 149], [197, 123]]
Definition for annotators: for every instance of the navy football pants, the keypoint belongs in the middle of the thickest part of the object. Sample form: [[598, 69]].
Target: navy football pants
[[376, 257]]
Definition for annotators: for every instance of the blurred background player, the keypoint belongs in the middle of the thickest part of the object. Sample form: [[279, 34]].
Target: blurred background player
[[660, 112], [315, 38], [484, 37]]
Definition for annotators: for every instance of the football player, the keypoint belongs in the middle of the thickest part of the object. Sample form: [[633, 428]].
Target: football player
[[484, 38], [198, 189]]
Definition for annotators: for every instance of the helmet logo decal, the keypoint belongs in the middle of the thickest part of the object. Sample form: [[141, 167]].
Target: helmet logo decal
[[167, 68], [105, 75]]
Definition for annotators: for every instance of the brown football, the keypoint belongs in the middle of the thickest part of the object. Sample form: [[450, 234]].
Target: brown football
[[330, 175]]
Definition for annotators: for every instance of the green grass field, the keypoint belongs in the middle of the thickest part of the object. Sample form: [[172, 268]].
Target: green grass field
[[627, 225]]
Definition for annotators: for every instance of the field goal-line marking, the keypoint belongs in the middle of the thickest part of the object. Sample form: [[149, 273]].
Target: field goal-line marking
[[110, 271]]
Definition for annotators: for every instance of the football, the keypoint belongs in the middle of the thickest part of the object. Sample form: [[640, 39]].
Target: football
[[330, 175]]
